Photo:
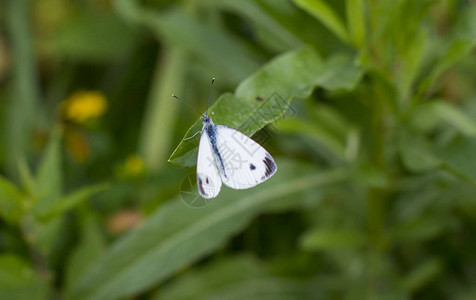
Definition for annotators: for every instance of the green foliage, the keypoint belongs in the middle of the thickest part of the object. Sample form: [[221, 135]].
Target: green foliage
[[173, 238], [368, 107], [326, 15], [10, 201], [300, 72], [18, 280]]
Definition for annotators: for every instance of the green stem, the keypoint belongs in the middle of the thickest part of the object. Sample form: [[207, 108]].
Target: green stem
[[157, 128], [25, 94], [376, 195], [376, 201], [40, 261]]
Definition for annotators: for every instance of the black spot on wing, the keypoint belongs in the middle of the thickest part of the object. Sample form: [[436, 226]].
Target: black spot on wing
[[252, 167], [270, 167], [200, 186]]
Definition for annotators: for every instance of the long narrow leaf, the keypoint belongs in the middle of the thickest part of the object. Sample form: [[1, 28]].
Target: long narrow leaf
[[10, 201], [326, 15], [176, 236]]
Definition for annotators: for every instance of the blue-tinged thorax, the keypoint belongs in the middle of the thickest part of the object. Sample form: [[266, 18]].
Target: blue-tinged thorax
[[210, 129]]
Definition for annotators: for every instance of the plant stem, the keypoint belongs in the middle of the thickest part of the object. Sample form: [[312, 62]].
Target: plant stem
[[21, 111]]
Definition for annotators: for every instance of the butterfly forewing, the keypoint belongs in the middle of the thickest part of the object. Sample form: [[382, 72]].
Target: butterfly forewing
[[245, 162], [208, 178]]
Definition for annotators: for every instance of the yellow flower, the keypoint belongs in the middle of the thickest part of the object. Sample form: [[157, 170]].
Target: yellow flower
[[84, 105], [134, 165]]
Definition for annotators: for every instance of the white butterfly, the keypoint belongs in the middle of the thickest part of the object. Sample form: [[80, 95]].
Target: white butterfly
[[226, 155]]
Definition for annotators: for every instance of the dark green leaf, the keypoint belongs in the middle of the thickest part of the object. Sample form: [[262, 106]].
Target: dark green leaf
[[11, 201], [355, 10], [90, 247], [44, 234], [273, 34], [49, 178], [67, 202], [324, 13], [224, 54], [416, 152], [430, 115], [161, 111], [320, 134], [94, 37], [459, 158], [454, 51], [330, 239], [26, 177], [219, 275], [423, 228], [18, 280], [176, 236], [422, 274], [272, 288]]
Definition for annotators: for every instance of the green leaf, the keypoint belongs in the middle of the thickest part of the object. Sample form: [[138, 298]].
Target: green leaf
[[266, 95], [49, 176], [420, 229], [10, 201], [455, 51], [412, 60], [302, 25], [356, 22], [26, 177], [422, 274], [321, 11], [330, 239], [45, 234], [416, 152], [459, 158], [318, 133], [273, 288], [19, 281], [420, 154], [436, 113], [270, 32], [325, 125], [218, 275], [176, 236], [456, 157], [92, 37], [67, 202], [90, 248], [225, 55], [161, 111], [23, 109]]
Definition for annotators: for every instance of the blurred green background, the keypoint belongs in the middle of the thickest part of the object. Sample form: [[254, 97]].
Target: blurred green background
[[369, 108]]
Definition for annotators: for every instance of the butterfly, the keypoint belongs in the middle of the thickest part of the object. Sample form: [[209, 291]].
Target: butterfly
[[227, 156]]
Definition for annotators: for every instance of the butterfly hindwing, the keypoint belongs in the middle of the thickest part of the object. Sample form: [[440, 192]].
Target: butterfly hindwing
[[208, 177], [245, 163]]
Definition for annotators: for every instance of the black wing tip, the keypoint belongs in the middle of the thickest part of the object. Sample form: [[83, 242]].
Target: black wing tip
[[271, 167]]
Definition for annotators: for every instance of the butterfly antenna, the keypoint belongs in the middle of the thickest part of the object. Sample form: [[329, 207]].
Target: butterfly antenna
[[185, 103], [210, 94]]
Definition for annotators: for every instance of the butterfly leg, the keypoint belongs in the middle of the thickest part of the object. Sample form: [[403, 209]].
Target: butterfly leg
[[192, 136]]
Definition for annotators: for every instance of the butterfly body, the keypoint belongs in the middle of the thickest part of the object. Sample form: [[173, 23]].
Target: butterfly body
[[210, 129]]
